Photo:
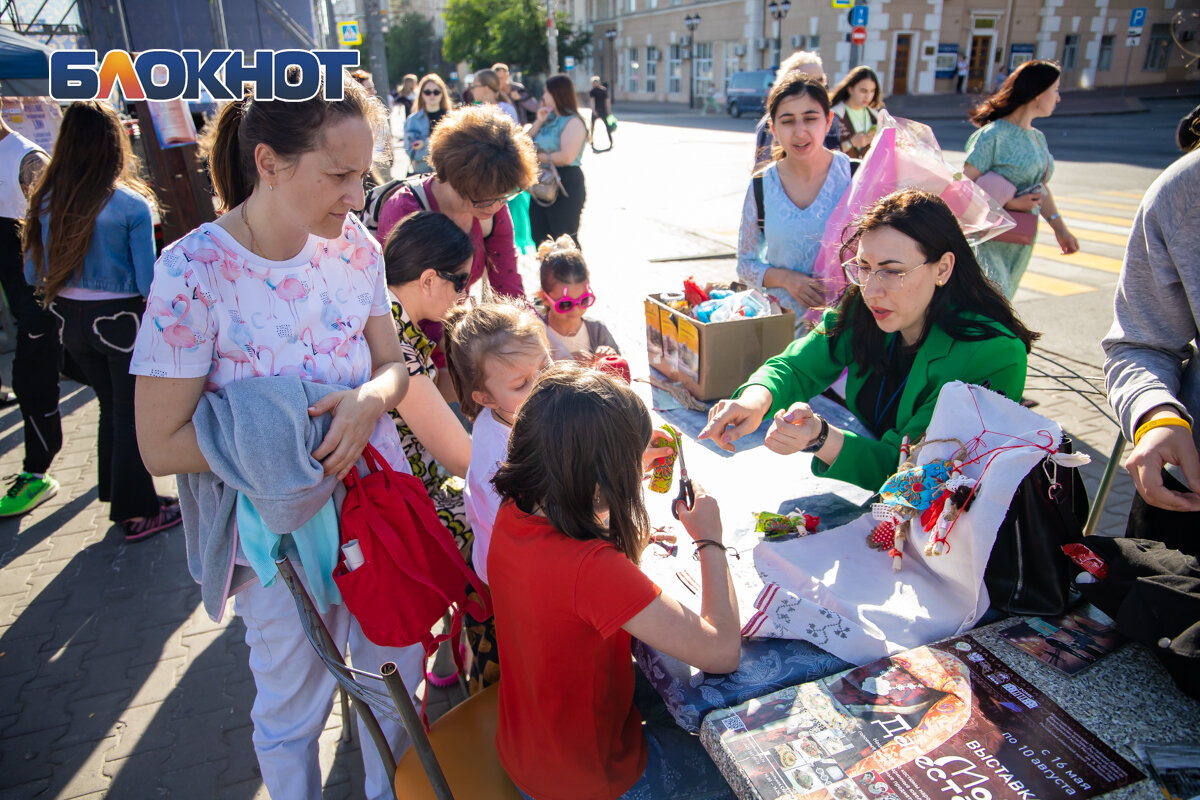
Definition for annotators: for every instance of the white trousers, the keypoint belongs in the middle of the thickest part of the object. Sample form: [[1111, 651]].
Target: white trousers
[[295, 692]]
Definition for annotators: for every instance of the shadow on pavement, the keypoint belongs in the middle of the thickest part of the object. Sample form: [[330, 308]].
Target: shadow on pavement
[[15, 542], [75, 659]]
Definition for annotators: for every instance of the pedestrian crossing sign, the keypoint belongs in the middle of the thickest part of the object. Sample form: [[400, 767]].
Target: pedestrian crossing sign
[[348, 33]]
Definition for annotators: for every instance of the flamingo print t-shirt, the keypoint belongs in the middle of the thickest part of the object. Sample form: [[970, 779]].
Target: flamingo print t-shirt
[[219, 312]]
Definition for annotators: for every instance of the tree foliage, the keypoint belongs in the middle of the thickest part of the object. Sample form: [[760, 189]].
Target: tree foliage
[[483, 32], [412, 46]]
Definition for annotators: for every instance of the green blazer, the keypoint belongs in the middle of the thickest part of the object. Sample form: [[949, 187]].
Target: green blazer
[[807, 368]]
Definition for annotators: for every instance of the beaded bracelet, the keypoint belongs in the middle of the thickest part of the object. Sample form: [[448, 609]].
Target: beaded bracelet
[[1162, 422], [703, 543]]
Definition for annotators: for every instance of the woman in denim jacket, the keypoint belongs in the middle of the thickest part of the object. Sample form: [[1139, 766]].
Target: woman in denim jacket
[[433, 103], [89, 253]]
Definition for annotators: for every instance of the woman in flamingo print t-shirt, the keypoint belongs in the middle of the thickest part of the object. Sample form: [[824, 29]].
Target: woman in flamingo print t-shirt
[[286, 282]]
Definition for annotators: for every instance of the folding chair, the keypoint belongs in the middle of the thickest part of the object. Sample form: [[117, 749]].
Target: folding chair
[[464, 739]]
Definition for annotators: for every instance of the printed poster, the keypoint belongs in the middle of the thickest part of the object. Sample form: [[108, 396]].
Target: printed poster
[[1070, 643], [943, 721], [35, 118]]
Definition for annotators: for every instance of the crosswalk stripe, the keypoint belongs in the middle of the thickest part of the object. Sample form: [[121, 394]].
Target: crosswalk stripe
[[1089, 235], [1113, 193], [1087, 201], [1054, 286], [1080, 259], [1122, 222]]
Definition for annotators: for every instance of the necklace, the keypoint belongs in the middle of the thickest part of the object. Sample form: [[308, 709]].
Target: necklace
[[253, 243]]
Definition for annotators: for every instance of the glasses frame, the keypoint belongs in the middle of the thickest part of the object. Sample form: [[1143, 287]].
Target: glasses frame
[[851, 269], [566, 304], [435, 93], [460, 280], [482, 204]]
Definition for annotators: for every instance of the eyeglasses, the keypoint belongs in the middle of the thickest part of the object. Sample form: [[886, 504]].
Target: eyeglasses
[[889, 280], [496, 200], [565, 304], [458, 279], [432, 92]]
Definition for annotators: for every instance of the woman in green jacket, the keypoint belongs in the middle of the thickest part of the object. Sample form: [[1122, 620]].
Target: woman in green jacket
[[918, 314]]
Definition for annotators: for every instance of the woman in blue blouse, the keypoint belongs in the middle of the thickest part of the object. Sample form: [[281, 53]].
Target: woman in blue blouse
[[801, 187], [89, 253], [560, 136]]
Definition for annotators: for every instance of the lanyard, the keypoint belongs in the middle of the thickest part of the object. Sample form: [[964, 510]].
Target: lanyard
[[883, 383]]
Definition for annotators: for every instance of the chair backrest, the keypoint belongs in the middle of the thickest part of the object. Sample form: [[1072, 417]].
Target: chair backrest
[[395, 703]]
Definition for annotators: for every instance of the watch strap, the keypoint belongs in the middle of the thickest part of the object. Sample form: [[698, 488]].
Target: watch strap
[[819, 442]]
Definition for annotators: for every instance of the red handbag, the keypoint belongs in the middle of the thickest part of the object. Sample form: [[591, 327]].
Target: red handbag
[[1024, 232], [412, 572]]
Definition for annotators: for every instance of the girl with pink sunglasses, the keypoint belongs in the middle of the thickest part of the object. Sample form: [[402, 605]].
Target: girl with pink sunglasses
[[566, 295]]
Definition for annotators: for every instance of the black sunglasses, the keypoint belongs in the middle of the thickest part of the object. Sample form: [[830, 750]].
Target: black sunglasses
[[458, 279], [431, 92]]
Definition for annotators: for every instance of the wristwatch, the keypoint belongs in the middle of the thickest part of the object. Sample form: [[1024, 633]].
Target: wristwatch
[[818, 442]]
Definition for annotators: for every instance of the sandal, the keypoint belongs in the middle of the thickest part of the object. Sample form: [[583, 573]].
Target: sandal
[[449, 680]]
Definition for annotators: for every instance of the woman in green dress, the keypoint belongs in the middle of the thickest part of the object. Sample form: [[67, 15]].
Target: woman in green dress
[[917, 314], [1008, 145]]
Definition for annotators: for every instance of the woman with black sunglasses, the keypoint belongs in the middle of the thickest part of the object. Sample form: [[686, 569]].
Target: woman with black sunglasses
[[918, 313], [433, 101], [428, 262]]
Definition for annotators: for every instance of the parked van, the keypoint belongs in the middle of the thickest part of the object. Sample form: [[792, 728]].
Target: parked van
[[747, 92]]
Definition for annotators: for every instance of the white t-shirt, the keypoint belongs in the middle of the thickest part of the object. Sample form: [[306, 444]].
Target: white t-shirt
[[489, 449], [218, 311], [564, 348]]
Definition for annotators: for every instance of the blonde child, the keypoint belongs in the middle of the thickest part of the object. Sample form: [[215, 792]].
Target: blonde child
[[568, 596], [566, 294], [494, 352]]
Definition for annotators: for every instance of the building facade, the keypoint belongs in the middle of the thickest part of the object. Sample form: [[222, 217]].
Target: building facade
[[644, 51]]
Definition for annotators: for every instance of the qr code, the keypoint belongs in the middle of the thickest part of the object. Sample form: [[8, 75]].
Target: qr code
[[734, 723]]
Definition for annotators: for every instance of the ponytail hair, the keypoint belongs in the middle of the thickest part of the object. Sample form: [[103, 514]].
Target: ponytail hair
[[289, 128], [1023, 86], [502, 328]]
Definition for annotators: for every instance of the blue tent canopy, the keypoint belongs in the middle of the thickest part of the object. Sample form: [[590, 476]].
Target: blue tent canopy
[[24, 65]]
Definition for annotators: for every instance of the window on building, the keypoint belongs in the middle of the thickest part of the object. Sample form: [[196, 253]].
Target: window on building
[[702, 68], [674, 70], [1104, 60], [652, 56], [732, 64], [1158, 50], [651, 3], [1070, 50], [630, 6], [632, 70]]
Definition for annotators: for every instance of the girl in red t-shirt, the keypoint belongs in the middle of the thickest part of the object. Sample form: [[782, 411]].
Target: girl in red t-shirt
[[568, 595]]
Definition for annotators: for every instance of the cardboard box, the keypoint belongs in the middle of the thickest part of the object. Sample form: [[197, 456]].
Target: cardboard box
[[712, 359]]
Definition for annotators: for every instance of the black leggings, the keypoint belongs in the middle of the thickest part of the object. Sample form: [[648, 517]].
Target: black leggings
[[37, 360], [563, 215], [99, 335]]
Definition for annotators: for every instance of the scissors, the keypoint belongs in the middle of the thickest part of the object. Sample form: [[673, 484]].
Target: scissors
[[687, 494]]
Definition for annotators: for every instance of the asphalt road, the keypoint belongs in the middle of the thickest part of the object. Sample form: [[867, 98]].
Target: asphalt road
[[666, 203]]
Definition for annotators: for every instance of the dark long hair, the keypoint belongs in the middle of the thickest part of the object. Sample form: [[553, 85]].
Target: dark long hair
[[856, 76], [1024, 84], [563, 92], [91, 157], [289, 128], [578, 439], [424, 240], [927, 220]]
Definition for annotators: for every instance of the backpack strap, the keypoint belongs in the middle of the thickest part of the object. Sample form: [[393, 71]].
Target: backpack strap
[[757, 183], [417, 186]]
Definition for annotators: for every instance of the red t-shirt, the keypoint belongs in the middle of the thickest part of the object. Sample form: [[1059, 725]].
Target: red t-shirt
[[568, 727]]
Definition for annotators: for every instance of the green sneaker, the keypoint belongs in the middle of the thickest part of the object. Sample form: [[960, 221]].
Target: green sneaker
[[26, 493]]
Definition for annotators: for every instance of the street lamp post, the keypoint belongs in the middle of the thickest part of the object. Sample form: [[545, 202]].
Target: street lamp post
[[778, 12], [609, 36], [691, 22]]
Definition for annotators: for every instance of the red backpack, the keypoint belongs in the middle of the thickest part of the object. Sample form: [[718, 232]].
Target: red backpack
[[412, 571]]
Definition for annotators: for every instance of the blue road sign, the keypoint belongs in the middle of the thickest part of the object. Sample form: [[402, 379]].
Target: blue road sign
[[1137, 17], [858, 15]]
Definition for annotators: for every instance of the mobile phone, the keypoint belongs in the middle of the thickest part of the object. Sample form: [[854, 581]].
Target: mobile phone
[[1035, 189]]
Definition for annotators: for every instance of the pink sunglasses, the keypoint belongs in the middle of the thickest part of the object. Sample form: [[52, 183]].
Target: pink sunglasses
[[565, 304]]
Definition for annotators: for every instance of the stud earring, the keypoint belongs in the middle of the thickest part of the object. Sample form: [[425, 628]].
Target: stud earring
[[271, 187]]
